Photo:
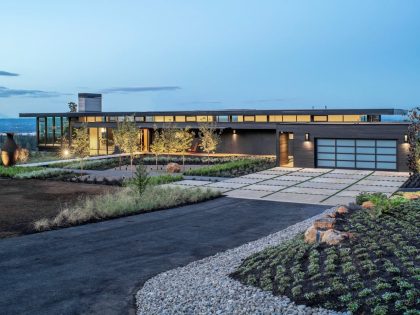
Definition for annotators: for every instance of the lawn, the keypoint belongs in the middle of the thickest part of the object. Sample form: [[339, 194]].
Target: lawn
[[375, 272]]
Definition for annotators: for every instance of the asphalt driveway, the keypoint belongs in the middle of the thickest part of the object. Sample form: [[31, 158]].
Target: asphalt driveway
[[97, 268]]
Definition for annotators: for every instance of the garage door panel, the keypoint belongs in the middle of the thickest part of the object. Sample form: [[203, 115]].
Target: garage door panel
[[357, 153]]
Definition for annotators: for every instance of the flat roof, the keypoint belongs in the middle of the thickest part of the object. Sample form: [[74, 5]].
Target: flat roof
[[372, 111]]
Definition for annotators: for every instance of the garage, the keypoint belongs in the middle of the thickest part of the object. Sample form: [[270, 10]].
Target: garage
[[356, 153]]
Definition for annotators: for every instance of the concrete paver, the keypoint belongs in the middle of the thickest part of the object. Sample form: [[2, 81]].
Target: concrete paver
[[293, 197], [263, 187], [310, 191]]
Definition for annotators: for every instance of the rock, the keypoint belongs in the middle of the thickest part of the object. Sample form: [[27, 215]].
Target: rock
[[313, 235], [342, 209], [411, 196], [324, 223], [173, 168], [331, 215], [368, 205], [333, 237]]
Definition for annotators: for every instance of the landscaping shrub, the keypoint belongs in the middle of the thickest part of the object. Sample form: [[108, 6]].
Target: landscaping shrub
[[375, 272], [233, 168], [125, 202], [382, 204], [140, 179], [15, 170], [41, 174]]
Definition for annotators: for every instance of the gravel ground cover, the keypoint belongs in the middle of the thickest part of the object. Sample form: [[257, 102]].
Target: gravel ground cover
[[204, 286]]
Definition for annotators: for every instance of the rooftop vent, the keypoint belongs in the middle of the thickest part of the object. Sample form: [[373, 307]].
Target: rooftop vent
[[90, 102]]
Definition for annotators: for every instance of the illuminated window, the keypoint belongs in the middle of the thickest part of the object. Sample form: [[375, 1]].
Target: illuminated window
[[202, 118], [335, 118], [289, 118], [169, 118], [191, 118], [139, 118], [321, 118], [303, 118], [351, 117], [240, 118], [275, 118], [159, 119], [90, 119], [249, 118], [180, 118], [210, 118], [261, 118]]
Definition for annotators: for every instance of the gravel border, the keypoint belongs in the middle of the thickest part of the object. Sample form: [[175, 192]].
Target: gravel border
[[203, 286]]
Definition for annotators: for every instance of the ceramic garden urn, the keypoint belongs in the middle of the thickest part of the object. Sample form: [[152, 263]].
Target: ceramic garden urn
[[9, 150]]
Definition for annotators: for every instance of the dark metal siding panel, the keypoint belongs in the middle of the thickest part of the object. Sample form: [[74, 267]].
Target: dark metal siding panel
[[261, 142], [304, 151]]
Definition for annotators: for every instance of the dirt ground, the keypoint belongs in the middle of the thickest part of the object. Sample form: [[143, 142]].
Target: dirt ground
[[23, 202]]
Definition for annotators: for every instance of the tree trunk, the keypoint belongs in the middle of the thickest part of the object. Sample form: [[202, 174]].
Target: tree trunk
[[183, 161]]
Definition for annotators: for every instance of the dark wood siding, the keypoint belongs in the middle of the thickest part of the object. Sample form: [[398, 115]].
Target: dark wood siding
[[304, 151]]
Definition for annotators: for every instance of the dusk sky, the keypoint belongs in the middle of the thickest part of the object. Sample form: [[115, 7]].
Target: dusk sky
[[177, 55]]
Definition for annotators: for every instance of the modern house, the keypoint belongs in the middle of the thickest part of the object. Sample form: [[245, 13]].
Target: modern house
[[327, 138]]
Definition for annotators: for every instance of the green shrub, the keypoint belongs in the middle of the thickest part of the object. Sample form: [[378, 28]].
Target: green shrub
[[233, 168], [140, 179], [16, 170]]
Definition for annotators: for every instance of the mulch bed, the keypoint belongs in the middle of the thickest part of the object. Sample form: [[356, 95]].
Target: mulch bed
[[23, 202]]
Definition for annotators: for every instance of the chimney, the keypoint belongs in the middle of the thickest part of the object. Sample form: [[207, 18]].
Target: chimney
[[90, 102]]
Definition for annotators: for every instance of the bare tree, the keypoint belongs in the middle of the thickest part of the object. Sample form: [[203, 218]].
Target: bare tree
[[414, 141]]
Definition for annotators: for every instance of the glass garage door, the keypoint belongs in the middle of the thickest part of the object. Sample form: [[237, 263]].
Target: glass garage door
[[357, 153]]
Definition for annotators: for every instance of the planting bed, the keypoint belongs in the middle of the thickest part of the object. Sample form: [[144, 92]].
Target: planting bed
[[375, 272], [412, 182], [234, 168], [25, 201]]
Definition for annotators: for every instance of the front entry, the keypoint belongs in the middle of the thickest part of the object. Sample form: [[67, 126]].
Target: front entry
[[286, 149]]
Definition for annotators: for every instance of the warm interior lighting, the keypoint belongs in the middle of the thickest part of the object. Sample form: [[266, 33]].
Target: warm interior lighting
[[405, 138], [307, 137]]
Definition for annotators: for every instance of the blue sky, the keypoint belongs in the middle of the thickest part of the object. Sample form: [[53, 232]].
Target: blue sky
[[175, 55]]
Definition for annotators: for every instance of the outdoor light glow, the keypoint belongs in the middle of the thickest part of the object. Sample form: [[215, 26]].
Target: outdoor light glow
[[406, 138], [66, 152], [307, 138], [234, 131]]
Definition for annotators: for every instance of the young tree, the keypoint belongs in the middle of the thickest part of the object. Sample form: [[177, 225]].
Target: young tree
[[72, 107], [184, 139], [80, 143], [414, 141], [158, 145], [126, 136], [141, 179], [210, 138]]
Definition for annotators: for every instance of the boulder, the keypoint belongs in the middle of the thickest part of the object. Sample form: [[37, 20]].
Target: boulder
[[342, 209], [313, 235], [368, 205], [333, 237], [173, 168], [324, 223]]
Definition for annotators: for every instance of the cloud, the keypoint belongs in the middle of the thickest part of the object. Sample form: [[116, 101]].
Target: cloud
[[6, 92], [8, 74], [140, 89]]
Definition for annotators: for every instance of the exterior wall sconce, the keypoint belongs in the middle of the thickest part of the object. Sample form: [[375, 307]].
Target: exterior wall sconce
[[234, 131], [307, 137], [405, 138]]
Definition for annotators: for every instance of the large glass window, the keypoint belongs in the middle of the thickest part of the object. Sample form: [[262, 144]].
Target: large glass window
[[57, 130], [223, 118], [50, 130], [41, 130]]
